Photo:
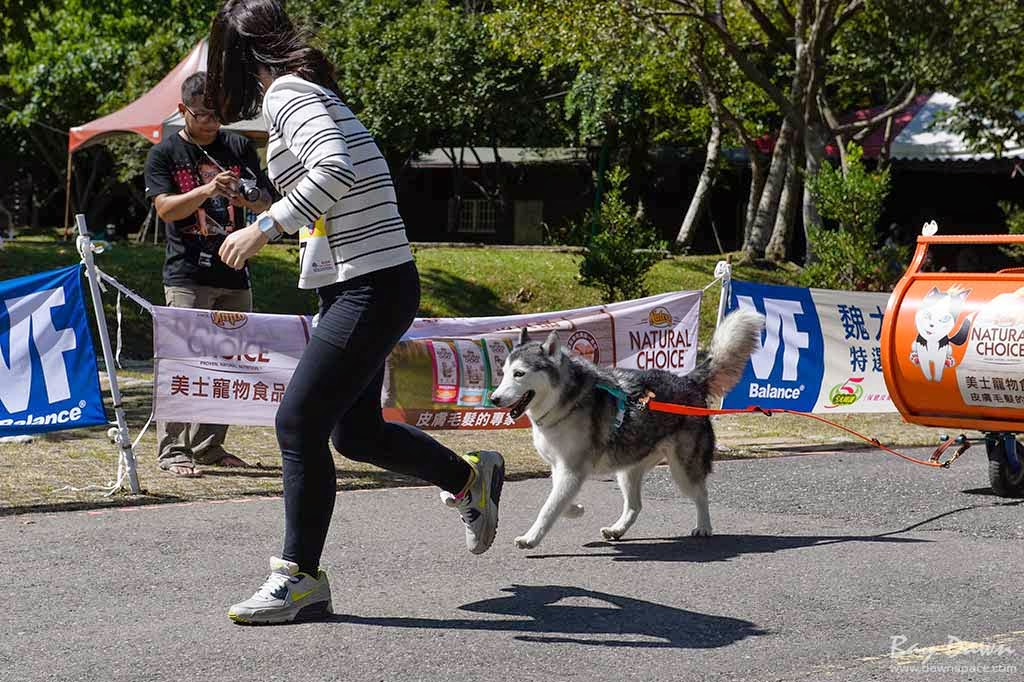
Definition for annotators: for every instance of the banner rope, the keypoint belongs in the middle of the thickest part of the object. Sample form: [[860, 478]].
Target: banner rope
[[712, 283], [107, 490], [121, 289], [139, 300], [122, 471], [933, 462], [117, 353]]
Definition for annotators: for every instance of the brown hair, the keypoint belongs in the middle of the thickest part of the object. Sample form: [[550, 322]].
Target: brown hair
[[245, 35]]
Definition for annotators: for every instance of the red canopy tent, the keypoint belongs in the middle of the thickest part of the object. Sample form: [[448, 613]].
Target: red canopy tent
[[153, 115]]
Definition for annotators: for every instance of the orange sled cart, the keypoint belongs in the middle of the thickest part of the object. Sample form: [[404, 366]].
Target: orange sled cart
[[953, 353]]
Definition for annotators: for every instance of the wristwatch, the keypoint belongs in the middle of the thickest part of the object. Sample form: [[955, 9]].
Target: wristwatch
[[268, 225]]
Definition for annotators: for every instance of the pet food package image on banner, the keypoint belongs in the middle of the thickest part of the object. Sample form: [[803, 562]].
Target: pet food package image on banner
[[472, 373], [496, 352], [446, 371]]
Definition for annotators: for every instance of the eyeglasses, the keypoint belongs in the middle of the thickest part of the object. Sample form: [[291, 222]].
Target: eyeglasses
[[204, 117]]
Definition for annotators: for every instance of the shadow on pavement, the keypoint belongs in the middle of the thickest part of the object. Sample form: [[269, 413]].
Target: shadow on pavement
[[572, 615], [714, 548]]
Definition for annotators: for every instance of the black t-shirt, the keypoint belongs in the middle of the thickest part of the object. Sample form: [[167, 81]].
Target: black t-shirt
[[175, 166]]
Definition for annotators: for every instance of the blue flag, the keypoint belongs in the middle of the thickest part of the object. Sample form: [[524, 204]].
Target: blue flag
[[786, 369], [48, 375]]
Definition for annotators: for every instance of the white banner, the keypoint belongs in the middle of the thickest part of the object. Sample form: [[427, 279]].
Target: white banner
[[851, 324], [233, 368], [820, 351], [223, 367]]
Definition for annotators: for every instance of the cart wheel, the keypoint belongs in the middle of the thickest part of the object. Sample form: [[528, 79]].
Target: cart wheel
[[1003, 481]]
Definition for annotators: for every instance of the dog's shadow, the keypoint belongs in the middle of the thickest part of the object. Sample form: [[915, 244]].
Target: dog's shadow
[[726, 547], [572, 615], [714, 548]]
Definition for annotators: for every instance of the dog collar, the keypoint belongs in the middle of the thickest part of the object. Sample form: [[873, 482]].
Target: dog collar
[[620, 401]]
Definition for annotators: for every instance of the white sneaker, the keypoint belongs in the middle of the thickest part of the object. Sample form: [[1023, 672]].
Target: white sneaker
[[478, 505], [286, 596]]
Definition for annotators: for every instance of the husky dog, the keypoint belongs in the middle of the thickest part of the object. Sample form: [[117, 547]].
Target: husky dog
[[588, 419]]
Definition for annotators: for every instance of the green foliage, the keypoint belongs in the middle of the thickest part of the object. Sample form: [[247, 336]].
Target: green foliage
[[853, 199], [847, 256], [618, 258], [66, 62], [430, 77], [852, 261], [570, 233], [979, 57], [74, 60], [620, 78], [1014, 213]]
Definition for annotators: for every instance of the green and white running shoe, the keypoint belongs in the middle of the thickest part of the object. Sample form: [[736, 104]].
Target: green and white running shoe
[[287, 596], [478, 504]]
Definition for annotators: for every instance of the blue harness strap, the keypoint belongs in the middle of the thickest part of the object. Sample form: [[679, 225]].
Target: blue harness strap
[[620, 401]]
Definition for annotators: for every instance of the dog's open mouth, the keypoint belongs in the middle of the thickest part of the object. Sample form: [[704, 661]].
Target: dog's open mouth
[[516, 411]]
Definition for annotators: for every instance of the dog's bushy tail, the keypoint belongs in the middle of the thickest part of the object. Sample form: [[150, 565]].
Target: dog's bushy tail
[[733, 342]]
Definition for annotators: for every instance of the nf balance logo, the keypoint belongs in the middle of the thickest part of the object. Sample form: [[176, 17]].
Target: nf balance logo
[[29, 322], [785, 370], [48, 377]]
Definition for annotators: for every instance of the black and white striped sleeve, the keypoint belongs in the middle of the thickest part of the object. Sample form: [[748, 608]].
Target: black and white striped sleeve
[[310, 133]]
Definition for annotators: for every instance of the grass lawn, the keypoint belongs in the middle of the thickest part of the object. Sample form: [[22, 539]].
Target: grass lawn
[[456, 282], [50, 472]]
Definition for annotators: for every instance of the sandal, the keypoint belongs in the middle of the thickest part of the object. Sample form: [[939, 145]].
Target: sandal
[[183, 471]]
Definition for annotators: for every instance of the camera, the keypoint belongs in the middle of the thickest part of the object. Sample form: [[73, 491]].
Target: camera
[[248, 189]]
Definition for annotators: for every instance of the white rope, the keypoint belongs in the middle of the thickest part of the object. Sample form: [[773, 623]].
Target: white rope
[[141, 302], [143, 431], [117, 354], [109, 489], [122, 470], [712, 283]]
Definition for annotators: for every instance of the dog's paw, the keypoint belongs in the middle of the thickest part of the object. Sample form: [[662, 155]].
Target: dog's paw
[[701, 532], [522, 542], [612, 533], [573, 511]]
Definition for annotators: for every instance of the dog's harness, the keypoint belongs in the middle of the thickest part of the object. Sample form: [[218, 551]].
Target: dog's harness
[[621, 404], [620, 401]]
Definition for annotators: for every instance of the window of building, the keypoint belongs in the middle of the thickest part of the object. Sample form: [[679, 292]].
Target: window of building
[[477, 216]]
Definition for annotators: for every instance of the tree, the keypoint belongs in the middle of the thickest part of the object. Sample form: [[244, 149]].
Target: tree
[[978, 55], [618, 258], [69, 61], [431, 78], [850, 254], [627, 91]]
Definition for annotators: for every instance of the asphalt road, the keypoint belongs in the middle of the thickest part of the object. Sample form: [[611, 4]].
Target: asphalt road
[[819, 565]]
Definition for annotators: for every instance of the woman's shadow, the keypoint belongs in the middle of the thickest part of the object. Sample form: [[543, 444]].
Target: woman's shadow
[[560, 614]]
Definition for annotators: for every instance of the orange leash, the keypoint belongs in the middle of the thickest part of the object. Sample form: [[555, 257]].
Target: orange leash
[[691, 411]]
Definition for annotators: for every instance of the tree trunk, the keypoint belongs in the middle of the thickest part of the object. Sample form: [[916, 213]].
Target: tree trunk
[[699, 201], [814, 156], [782, 233], [455, 203], [504, 215], [764, 220], [758, 177]]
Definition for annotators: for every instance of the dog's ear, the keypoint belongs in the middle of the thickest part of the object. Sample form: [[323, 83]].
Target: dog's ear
[[552, 346], [524, 336]]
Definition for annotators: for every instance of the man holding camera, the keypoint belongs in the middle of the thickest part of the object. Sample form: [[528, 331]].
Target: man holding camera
[[202, 180]]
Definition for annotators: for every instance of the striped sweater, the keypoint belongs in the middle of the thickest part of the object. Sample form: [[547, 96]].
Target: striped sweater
[[333, 177]]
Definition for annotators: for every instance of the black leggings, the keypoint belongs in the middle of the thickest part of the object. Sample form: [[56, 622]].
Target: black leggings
[[335, 395]]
